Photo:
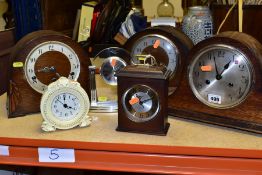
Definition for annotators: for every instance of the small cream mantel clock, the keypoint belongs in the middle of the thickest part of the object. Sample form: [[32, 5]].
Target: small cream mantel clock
[[64, 105]]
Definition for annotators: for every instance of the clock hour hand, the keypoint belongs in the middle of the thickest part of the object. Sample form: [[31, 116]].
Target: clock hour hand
[[225, 67], [69, 107]]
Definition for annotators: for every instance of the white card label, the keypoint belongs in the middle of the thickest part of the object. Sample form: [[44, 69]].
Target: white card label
[[4, 150], [214, 98], [56, 155]]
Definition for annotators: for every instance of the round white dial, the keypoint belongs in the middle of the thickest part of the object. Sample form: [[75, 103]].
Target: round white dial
[[38, 51], [65, 106], [221, 76]]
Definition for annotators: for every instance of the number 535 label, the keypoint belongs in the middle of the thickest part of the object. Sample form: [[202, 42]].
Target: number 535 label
[[214, 98], [56, 155]]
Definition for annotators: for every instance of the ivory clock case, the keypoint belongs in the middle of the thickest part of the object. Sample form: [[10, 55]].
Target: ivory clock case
[[38, 59], [223, 83]]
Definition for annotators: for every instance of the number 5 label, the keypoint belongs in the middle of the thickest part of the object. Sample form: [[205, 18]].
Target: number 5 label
[[56, 155]]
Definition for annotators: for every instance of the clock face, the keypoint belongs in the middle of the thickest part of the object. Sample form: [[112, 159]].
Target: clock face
[[109, 69], [33, 71], [141, 103], [157, 46], [221, 76], [65, 106]]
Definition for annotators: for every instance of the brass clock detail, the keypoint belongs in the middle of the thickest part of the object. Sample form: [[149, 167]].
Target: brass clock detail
[[167, 45], [142, 99], [223, 83], [38, 59]]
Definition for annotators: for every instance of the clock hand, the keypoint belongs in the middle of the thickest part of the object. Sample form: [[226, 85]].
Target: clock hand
[[225, 68], [69, 107], [216, 66], [60, 101], [218, 76], [47, 69], [143, 101]]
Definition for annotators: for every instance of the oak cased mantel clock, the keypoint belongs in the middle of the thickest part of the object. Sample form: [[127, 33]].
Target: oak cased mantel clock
[[38, 59], [168, 45], [142, 99], [223, 83]]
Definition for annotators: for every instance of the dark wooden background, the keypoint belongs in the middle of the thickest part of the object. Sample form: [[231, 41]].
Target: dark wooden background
[[252, 15]]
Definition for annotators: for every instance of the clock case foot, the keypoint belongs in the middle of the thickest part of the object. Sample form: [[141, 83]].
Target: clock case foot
[[160, 133]]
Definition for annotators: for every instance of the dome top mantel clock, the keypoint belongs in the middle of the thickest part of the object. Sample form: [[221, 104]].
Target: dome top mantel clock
[[38, 59], [168, 45], [223, 83]]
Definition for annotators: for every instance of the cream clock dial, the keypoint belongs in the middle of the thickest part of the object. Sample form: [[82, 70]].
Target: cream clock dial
[[64, 105], [38, 51]]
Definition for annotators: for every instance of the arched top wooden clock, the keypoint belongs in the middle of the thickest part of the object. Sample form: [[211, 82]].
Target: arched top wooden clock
[[38, 59], [223, 83], [168, 45]]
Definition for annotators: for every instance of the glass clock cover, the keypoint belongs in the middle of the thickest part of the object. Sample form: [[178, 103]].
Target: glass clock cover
[[141, 103]]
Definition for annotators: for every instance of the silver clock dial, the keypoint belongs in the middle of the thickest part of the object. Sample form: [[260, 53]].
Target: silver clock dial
[[221, 76], [160, 47], [109, 69], [36, 52], [65, 106], [141, 103]]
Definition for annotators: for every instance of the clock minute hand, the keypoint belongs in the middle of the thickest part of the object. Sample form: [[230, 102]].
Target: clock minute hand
[[60, 101], [216, 66]]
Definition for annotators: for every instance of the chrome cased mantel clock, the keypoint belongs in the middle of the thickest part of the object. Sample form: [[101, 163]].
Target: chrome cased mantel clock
[[64, 105], [142, 99], [223, 83], [107, 63]]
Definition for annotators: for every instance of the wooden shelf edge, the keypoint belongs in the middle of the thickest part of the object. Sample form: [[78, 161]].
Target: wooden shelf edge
[[140, 162], [135, 148]]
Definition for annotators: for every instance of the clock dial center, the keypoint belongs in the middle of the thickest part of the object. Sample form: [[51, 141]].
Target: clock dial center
[[158, 53], [47, 70]]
